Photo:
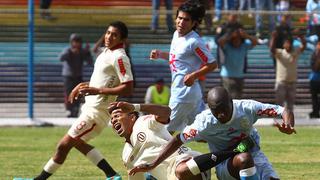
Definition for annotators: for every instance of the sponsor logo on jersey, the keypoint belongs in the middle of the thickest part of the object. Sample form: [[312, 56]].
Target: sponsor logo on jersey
[[201, 54], [270, 112], [121, 66], [141, 136]]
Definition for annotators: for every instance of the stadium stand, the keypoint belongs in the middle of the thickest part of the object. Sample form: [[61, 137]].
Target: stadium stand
[[52, 37]]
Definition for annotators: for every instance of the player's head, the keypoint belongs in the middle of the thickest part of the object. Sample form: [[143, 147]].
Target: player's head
[[122, 122], [117, 33], [189, 16], [220, 104], [75, 41], [287, 44]]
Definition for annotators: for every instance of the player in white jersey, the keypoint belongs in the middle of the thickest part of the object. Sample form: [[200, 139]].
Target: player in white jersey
[[223, 125], [111, 77], [189, 59], [145, 137]]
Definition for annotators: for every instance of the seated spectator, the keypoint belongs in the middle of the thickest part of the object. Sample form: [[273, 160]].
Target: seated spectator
[[72, 59], [314, 78], [158, 93]]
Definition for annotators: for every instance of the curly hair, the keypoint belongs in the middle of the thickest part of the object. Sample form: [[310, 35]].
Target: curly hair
[[195, 9]]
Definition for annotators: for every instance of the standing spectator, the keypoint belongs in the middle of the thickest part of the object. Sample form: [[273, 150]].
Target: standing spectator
[[72, 59], [44, 10], [155, 15], [111, 77], [226, 4], [286, 72], [260, 6], [235, 49], [283, 31], [229, 26], [158, 93], [189, 59], [315, 82], [208, 16], [282, 5], [313, 13]]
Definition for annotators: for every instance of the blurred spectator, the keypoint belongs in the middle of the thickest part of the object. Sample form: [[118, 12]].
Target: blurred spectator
[[286, 72], [158, 93], [226, 4], [44, 10], [283, 31], [260, 6], [208, 16], [313, 13], [282, 5], [235, 48], [72, 59], [247, 5], [155, 15], [314, 78], [229, 26]]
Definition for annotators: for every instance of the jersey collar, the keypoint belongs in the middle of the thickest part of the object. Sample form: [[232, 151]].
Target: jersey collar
[[233, 114]]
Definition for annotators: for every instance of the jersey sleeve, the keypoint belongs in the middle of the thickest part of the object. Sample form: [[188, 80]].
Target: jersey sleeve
[[123, 69], [153, 124], [202, 51], [264, 110]]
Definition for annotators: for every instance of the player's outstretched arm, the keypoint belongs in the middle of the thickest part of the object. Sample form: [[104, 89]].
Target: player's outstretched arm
[[123, 89], [170, 148], [287, 125], [75, 93]]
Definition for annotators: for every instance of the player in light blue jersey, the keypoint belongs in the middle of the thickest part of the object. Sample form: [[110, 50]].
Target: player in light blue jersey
[[223, 126], [189, 59]]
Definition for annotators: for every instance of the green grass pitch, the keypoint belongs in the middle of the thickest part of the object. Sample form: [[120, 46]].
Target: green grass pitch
[[25, 150]]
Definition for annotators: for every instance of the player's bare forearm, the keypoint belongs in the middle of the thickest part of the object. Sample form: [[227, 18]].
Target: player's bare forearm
[[205, 69], [124, 89], [170, 148], [288, 117], [162, 113]]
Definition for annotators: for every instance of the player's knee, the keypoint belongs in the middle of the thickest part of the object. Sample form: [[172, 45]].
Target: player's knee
[[243, 160], [183, 172]]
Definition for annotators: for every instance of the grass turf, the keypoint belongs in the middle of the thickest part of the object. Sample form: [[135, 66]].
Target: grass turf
[[25, 150]]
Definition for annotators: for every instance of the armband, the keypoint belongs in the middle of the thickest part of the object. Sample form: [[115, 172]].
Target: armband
[[137, 107]]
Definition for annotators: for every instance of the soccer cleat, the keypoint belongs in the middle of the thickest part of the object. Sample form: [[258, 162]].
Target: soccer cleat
[[22, 178], [245, 145], [115, 177]]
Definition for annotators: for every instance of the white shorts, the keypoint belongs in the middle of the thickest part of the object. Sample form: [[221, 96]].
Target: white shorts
[[264, 168], [89, 124], [183, 114]]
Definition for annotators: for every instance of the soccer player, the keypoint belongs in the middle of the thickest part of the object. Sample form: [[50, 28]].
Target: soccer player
[[111, 77], [222, 125], [189, 59], [145, 137]]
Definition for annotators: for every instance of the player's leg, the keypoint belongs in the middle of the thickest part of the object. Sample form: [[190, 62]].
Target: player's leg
[[241, 166], [63, 148], [264, 167], [87, 127], [95, 157]]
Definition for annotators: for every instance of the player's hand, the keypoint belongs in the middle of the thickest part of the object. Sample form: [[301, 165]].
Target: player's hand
[[189, 79], [75, 94], [141, 168], [124, 106], [285, 128], [154, 54]]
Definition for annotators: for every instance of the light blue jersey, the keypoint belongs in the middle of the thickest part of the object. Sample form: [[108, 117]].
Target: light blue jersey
[[223, 136], [187, 54]]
